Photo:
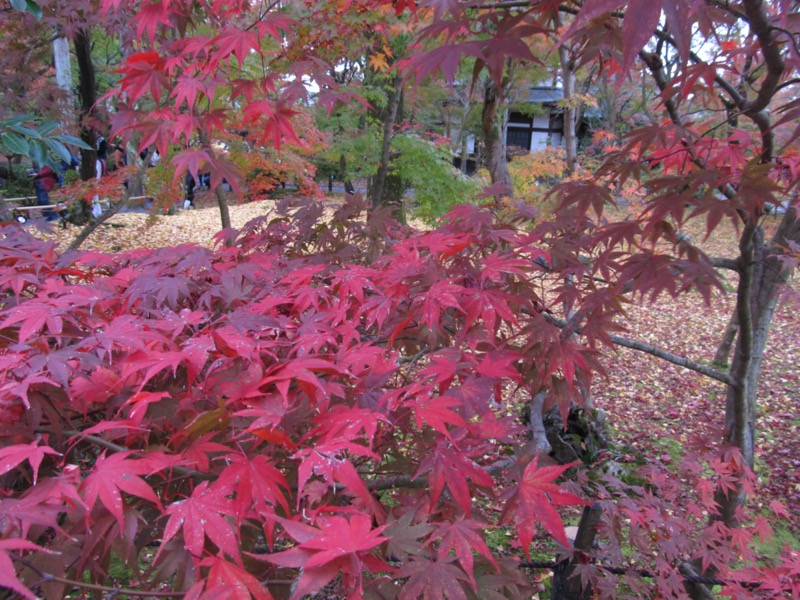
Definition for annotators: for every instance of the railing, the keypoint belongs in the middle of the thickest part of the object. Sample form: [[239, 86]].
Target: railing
[[22, 210]]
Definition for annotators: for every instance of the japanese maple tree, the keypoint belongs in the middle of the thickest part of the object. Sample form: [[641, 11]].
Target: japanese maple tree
[[722, 147], [279, 400]]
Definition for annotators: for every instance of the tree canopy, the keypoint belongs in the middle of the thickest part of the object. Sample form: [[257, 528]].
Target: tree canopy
[[330, 399]]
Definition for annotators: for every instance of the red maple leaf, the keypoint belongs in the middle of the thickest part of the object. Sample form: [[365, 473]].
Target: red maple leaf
[[226, 580], [190, 160], [149, 17], [337, 546], [435, 412], [279, 127], [143, 72], [533, 500], [33, 316], [221, 168], [203, 514], [256, 483], [464, 536], [328, 462], [432, 580], [113, 474], [237, 42], [186, 90], [488, 304], [641, 19], [275, 24], [303, 372], [12, 456], [345, 424], [441, 296], [8, 576], [448, 465], [496, 265]]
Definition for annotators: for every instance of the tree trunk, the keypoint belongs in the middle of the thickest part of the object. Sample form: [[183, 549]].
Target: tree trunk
[[536, 424], [87, 92], [380, 187], [726, 343], [222, 203], [493, 140], [567, 582], [761, 276], [219, 193], [570, 120], [136, 182], [63, 77]]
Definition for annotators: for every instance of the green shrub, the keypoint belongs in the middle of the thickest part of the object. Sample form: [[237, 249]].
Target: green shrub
[[19, 184], [428, 169]]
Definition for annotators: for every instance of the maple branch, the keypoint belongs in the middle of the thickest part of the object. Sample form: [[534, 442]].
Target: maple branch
[[675, 359], [725, 263], [658, 353], [656, 67], [728, 8], [98, 441], [760, 24], [502, 4], [726, 85], [792, 36], [694, 580], [789, 82], [405, 360], [752, 108], [408, 482], [263, 14], [112, 591]]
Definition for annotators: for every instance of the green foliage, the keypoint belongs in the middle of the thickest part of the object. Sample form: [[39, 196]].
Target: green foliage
[[528, 109], [22, 135], [71, 177], [18, 184], [28, 6], [362, 153], [427, 168]]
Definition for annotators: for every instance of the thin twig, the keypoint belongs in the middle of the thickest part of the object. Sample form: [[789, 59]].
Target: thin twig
[[115, 591], [98, 441]]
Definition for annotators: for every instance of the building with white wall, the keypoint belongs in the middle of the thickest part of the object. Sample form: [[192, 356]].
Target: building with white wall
[[539, 127]]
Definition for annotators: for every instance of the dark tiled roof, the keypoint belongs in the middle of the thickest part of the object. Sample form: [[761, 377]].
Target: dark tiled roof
[[545, 95]]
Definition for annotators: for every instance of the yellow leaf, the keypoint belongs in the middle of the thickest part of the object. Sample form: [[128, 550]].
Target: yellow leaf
[[378, 62]]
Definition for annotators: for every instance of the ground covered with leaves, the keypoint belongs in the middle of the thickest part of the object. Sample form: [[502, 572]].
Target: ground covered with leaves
[[655, 408]]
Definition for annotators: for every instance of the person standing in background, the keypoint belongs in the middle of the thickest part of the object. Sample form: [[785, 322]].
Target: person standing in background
[[45, 181], [101, 165], [118, 157], [101, 168], [189, 185]]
